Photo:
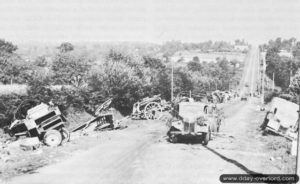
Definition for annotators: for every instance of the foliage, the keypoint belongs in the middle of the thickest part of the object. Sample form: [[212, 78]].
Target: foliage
[[125, 76], [14, 69], [269, 96], [295, 84], [41, 61], [7, 47], [68, 67], [194, 66], [65, 47], [8, 105], [281, 66], [118, 79], [210, 76]]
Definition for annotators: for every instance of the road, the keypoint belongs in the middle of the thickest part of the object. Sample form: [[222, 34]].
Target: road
[[142, 154], [251, 72]]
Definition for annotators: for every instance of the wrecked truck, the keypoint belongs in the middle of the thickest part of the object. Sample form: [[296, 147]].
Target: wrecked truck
[[282, 118], [191, 122], [44, 121]]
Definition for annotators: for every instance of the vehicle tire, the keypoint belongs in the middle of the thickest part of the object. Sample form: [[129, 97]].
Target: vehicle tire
[[206, 138], [65, 135], [52, 138], [153, 111], [173, 138]]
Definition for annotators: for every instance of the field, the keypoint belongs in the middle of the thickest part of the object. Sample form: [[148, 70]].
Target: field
[[14, 88], [186, 56]]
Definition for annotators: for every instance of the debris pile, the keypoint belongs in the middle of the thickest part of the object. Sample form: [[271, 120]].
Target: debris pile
[[102, 119]]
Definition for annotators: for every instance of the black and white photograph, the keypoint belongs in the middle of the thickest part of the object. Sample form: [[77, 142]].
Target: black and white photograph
[[149, 91]]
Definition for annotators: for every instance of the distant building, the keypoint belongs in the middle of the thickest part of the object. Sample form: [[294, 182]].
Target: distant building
[[241, 47]]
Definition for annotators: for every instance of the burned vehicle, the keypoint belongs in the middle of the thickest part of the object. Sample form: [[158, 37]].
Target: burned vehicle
[[282, 119], [44, 121], [102, 118], [191, 121]]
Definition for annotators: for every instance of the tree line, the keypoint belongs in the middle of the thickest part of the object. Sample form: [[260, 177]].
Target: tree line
[[283, 67]]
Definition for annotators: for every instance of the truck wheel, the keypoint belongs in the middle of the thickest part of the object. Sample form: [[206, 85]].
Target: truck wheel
[[173, 139], [52, 138], [206, 138], [65, 135]]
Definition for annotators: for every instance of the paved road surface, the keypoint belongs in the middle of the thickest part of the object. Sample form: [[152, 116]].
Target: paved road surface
[[143, 155]]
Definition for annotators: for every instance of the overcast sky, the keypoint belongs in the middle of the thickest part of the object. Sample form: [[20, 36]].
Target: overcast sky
[[148, 20]]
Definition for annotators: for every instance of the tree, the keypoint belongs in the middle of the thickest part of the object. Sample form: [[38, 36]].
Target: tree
[[67, 67], [182, 80], [295, 84], [13, 69], [196, 58], [41, 61], [153, 63], [117, 79], [65, 47], [7, 47], [296, 51], [194, 66]]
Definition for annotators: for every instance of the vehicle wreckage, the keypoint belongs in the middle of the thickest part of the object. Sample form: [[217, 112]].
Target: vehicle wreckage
[[46, 122], [282, 119], [149, 108], [103, 118]]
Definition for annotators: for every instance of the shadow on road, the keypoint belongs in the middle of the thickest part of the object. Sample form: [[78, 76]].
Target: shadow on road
[[236, 163]]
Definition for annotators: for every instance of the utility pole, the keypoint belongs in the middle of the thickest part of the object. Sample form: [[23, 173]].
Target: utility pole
[[263, 81], [273, 84], [172, 81], [297, 156], [291, 74]]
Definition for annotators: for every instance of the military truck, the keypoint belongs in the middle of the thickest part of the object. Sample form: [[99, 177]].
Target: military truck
[[191, 120], [197, 128]]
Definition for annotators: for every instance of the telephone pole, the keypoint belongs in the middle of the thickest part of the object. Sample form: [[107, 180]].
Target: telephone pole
[[273, 84], [297, 156], [263, 80], [172, 81]]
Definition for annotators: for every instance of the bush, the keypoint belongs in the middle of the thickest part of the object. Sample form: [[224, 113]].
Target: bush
[[269, 96], [8, 105], [289, 97]]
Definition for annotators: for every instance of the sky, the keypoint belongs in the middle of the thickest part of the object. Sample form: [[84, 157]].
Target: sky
[[157, 21]]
